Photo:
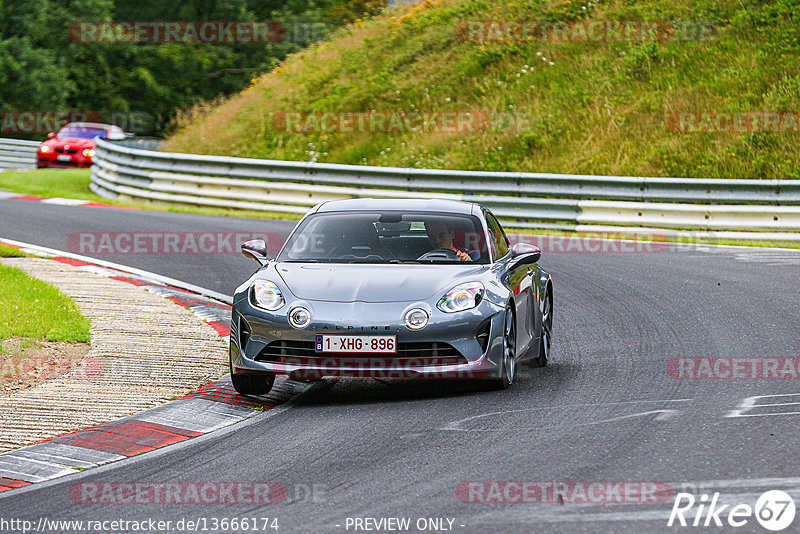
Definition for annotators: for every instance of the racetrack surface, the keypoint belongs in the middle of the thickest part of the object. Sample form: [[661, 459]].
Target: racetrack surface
[[604, 410]]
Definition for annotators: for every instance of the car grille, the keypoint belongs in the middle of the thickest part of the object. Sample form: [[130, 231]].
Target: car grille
[[423, 354], [62, 151]]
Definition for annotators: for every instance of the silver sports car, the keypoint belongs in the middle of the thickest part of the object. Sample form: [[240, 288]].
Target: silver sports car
[[391, 289]]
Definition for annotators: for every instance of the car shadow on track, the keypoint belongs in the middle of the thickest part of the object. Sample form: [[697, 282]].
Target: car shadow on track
[[334, 391]]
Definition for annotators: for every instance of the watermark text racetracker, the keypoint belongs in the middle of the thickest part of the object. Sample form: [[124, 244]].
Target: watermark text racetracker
[[43, 121], [726, 122], [734, 367], [65, 367], [245, 492], [579, 31], [229, 242], [382, 121], [564, 492], [198, 31], [168, 242]]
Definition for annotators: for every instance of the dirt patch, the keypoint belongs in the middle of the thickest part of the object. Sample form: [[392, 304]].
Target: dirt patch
[[26, 362]]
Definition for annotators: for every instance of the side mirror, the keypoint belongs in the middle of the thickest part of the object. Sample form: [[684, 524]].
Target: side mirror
[[51, 135], [255, 250], [525, 253]]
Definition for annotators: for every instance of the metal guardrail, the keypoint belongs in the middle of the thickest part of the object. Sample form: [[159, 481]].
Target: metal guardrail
[[18, 154], [533, 200]]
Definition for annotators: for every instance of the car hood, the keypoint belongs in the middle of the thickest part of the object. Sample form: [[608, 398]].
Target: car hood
[[374, 283]]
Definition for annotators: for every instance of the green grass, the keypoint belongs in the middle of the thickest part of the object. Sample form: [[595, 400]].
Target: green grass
[[601, 108], [7, 251], [31, 308], [65, 183], [74, 183]]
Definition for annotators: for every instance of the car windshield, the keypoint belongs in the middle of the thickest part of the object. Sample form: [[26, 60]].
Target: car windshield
[[82, 131], [387, 237]]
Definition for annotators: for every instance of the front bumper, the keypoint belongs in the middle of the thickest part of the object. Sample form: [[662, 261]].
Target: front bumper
[[255, 333], [76, 161]]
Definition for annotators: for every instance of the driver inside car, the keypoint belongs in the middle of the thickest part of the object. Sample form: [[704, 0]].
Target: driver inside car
[[441, 238]]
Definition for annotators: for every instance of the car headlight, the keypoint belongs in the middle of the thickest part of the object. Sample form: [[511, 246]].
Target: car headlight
[[88, 152], [462, 297], [267, 295], [44, 149]]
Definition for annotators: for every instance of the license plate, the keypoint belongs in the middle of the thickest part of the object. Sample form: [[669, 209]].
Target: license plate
[[341, 343], [64, 157]]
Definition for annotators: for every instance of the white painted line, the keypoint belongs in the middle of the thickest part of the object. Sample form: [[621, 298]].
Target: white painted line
[[197, 415], [32, 469], [662, 415], [14, 475], [764, 414], [71, 452], [53, 459], [64, 201], [749, 404], [455, 424]]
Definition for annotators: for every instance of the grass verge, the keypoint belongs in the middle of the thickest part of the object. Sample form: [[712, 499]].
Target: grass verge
[[74, 183], [7, 251], [30, 308], [42, 333]]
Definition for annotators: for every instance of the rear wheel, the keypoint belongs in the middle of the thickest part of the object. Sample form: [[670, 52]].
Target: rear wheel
[[253, 383]]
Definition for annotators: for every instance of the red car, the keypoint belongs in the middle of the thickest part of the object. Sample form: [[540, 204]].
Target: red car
[[73, 145]]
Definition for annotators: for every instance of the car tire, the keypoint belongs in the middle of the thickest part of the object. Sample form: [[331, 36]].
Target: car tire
[[508, 363], [545, 336], [253, 383]]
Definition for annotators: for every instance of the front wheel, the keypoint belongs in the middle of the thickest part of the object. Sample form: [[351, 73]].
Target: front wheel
[[508, 362], [546, 334], [253, 383]]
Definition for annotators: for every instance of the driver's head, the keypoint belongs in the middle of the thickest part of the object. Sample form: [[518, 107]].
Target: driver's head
[[439, 234]]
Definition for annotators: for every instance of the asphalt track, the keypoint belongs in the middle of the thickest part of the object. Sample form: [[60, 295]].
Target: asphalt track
[[604, 410]]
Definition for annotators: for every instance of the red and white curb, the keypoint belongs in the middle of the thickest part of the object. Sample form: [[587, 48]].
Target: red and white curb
[[212, 407], [6, 195]]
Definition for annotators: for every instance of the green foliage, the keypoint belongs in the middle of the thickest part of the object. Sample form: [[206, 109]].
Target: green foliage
[[586, 107], [42, 67]]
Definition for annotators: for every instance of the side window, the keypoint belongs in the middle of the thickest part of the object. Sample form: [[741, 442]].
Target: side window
[[498, 237]]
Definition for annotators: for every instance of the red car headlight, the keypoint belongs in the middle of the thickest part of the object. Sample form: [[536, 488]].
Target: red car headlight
[[88, 152]]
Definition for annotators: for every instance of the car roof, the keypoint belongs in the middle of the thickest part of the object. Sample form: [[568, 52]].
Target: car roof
[[90, 125], [398, 204]]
